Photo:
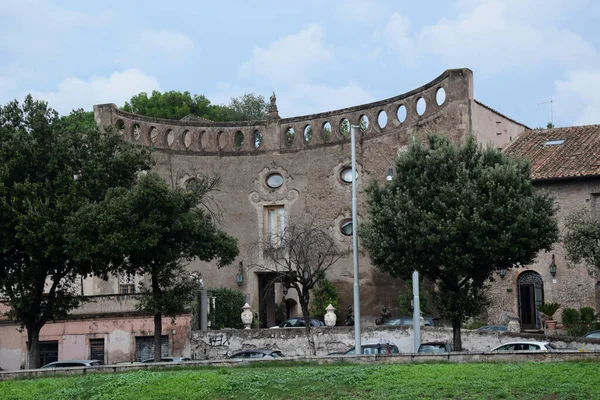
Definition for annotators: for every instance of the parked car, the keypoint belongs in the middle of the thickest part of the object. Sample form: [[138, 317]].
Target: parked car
[[493, 328], [253, 354], [593, 335], [298, 323], [371, 348], [408, 321], [435, 347], [73, 363], [525, 346], [168, 359]]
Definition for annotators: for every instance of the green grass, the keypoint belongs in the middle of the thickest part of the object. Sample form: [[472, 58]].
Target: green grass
[[568, 380]]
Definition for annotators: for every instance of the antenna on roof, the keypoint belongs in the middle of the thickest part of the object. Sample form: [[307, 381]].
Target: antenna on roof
[[551, 102]]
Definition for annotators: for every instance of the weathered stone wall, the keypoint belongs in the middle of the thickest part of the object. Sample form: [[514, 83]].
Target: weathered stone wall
[[293, 341], [310, 166], [574, 285]]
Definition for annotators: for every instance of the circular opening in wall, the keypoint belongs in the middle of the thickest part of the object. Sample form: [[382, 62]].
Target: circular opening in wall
[[346, 227], [136, 131], [382, 119], [401, 113], [221, 140], [421, 106], [440, 96], [346, 175], [257, 139], [153, 135], [363, 122], [326, 131], [239, 139], [308, 133], [274, 180], [120, 126], [344, 127], [289, 136], [187, 139], [170, 138]]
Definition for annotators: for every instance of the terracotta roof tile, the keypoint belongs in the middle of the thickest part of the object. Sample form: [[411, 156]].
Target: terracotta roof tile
[[578, 156]]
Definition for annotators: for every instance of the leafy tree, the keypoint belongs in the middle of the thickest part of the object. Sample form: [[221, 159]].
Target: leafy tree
[[405, 300], [248, 107], [300, 255], [228, 303], [176, 105], [457, 215], [582, 239], [323, 294], [79, 121], [151, 230], [50, 168]]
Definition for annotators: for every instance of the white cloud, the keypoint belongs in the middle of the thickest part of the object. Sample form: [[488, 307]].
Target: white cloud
[[363, 11], [158, 46], [494, 35], [74, 93], [289, 59], [578, 97], [305, 98]]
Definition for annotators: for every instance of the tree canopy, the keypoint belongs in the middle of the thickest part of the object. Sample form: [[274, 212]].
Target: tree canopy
[[176, 105], [582, 238], [150, 230], [457, 214], [50, 168]]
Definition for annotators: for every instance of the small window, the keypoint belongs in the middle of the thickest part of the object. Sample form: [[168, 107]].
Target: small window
[[126, 284], [275, 225], [346, 175], [346, 227], [274, 181], [554, 142]]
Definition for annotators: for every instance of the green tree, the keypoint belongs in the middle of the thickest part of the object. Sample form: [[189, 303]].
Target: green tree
[[248, 107], [228, 303], [582, 239], [323, 294], [151, 230], [457, 215], [405, 299], [50, 168]]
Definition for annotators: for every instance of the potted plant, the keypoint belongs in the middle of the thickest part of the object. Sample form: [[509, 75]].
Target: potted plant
[[548, 309]]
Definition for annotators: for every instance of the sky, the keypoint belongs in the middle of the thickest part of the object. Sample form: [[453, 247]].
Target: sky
[[316, 55]]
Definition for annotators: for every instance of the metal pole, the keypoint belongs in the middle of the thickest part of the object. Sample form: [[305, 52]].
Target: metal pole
[[357, 344], [203, 310], [416, 311]]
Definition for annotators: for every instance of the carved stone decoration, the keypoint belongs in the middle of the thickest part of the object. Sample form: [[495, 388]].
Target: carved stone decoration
[[273, 114], [330, 317], [514, 326], [247, 316]]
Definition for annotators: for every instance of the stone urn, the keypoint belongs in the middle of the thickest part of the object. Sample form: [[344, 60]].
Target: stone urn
[[514, 325], [247, 316], [330, 317]]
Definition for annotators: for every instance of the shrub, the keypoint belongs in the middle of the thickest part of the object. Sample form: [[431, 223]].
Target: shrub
[[579, 322], [570, 316], [323, 294], [549, 309], [474, 324], [587, 315], [228, 308]]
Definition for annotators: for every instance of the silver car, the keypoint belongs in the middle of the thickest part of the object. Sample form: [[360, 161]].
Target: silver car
[[73, 363], [525, 346]]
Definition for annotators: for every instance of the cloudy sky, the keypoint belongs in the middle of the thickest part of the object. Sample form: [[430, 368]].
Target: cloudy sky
[[316, 55]]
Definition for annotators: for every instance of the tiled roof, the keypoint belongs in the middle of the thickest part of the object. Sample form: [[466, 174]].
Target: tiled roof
[[577, 156]]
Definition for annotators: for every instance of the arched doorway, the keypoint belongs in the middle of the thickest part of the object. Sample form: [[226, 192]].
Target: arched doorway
[[530, 293]]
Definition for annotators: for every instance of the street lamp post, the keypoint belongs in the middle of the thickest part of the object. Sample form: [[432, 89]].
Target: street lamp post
[[357, 344]]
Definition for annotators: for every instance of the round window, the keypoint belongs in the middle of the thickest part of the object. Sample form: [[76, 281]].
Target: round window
[[346, 227], [274, 181], [346, 175]]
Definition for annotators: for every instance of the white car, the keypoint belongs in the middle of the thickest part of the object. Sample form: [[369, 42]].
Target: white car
[[525, 346]]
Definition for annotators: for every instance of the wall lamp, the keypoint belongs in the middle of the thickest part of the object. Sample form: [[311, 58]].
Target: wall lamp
[[390, 175], [502, 273], [553, 267]]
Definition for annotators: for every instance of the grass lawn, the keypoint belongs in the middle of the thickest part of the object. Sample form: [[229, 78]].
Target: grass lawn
[[568, 380]]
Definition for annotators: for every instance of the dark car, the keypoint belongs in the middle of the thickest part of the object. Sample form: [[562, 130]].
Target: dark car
[[168, 359], [435, 347], [298, 323], [371, 348], [254, 354], [593, 335], [493, 328], [73, 363], [408, 321]]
